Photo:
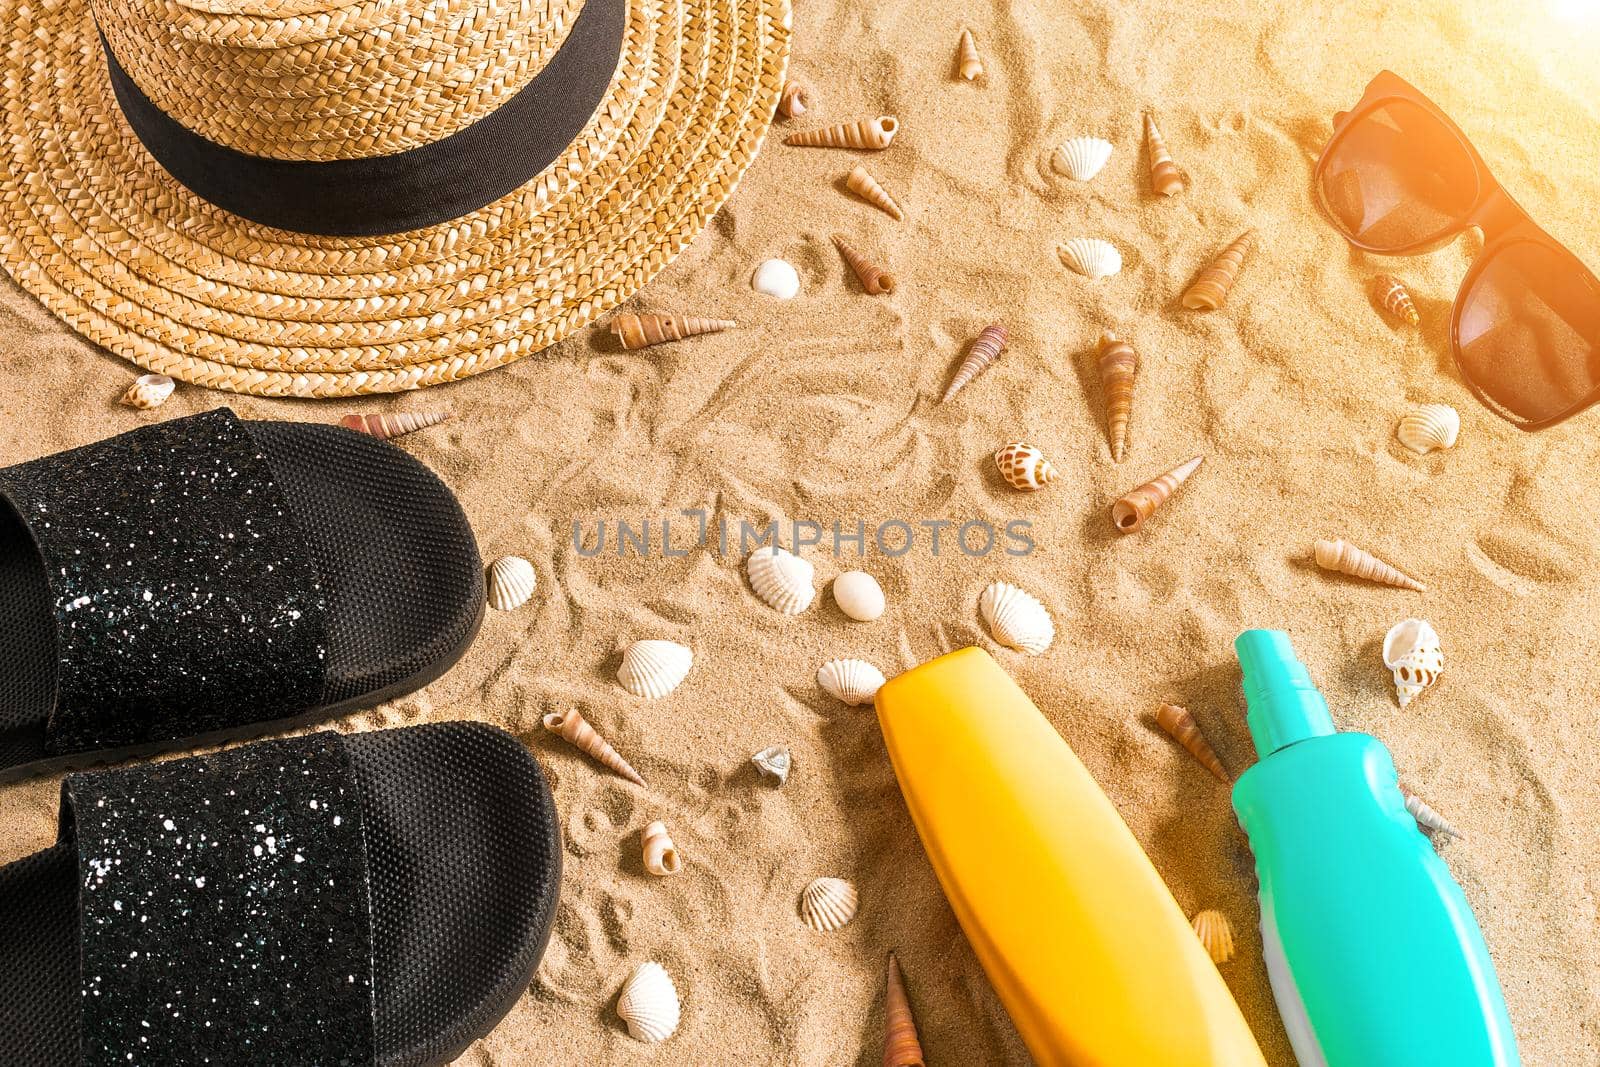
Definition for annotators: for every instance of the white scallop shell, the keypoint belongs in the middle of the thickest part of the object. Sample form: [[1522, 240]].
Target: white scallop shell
[[781, 578], [652, 669], [776, 277], [774, 762], [1429, 427], [1081, 158], [1016, 618], [149, 391], [1091, 257], [858, 595], [828, 904], [649, 1004], [854, 681], [510, 582], [1411, 650]]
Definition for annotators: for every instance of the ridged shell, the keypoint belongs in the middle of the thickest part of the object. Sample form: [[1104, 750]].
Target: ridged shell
[[510, 581], [1394, 298], [1119, 366], [867, 133], [1429, 428], [573, 729], [1165, 178], [985, 349], [660, 854], [854, 681], [1081, 158], [649, 1004], [1429, 819], [1016, 618], [1411, 650], [1024, 467], [1212, 285], [1180, 725], [652, 669], [634, 332], [901, 1046], [967, 61], [859, 595], [864, 185], [149, 391], [1215, 933], [1129, 513], [781, 578], [1346, 558], [874, 279], [828, 904], [1091, 257], [774, 762]]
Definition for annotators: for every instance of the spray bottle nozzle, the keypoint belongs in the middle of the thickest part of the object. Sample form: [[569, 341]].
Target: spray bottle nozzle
[[1284, 704]]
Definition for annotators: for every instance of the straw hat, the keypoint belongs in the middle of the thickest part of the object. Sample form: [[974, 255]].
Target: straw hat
[[375, 195]]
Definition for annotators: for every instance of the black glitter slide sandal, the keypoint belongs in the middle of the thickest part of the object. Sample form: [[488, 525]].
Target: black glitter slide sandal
[[209, 578], [372, 900]]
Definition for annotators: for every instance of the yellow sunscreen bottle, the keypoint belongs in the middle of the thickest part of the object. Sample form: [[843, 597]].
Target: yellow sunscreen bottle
[[1093, 959]]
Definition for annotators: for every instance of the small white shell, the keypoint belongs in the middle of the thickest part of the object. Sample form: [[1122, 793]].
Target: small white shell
[[149, 391], [828, 904], [854, 681], [660, 854], [1429, 427], [652, 669], [776, 277], [1081, 158], [1411, 650], [858, 595], [1091, 257], [774, 762], [1016, 618], [649, 1004], [510, 582], [781, 578]]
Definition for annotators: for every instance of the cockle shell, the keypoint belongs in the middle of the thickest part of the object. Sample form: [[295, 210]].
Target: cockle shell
[[510, 582], [384, 427], [854, 681], [795, 100], [1016, 618], [774, 762], [1210, 289], [781, 578], [660, 854], [1165, 177], [1129, 513], [1119, 366], [649, 1004], [776, 278], [1429, 427], [858, 595], [1181, 726], [874, 279], [867, 133], [638, 331], [967, 60], [1394, 298], [864, 185], [652, 669], [1411, 650], [984, 351], [1024, 467], [1346, 558], [901, 1046], [1215, 933], [1429, 819], [1090, 257], [575, 731], [827, 904], [1081, 158], [149, 391]]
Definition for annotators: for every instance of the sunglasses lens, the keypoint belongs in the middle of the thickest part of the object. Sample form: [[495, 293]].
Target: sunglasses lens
[[1397, 178], [1529, 332]]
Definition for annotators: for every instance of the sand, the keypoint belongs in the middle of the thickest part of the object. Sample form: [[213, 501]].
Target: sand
[[824, 409]]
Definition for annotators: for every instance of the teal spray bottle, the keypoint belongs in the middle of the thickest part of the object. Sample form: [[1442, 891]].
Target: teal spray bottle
[[1374, 956]]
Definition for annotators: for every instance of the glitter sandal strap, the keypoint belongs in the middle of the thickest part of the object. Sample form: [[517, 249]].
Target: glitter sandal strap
[[220, 896]]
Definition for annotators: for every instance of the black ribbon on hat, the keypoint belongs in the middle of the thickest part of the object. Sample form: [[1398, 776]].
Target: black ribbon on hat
[[422, 186]]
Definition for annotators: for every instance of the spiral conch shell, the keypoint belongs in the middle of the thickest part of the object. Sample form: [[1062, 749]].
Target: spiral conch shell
[[874, 279], [1181, 726], [901, 1046], [865, 186], [1090, 257], [1129, 513], [854, 681], [1429, 819], [1165, 177], [1016, 618], [652, 669], [1346, 558], [1081, 158], [1396, 300], [1119, 365], [660, 854], [1411, 650], [639, 331], [575, 731], [1210, 289], [510, 582], [649, 1004], [795, 100], [1429, 428], [149, 391], [1215, 933], [384, 427], [828, 904], [967, 57], [867, 133], [1024, 467], [984, 351], [781, 578]]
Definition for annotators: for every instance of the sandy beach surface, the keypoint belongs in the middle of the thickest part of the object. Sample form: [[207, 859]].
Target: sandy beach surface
[[825, 409]]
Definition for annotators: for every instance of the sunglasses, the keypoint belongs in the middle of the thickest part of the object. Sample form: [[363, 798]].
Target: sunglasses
[[1399, 178]]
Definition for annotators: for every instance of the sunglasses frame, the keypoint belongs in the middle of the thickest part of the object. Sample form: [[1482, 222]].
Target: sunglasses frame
[[1501, 219]]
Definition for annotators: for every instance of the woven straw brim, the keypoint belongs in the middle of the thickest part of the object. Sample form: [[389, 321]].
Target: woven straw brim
[[104, 237]]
